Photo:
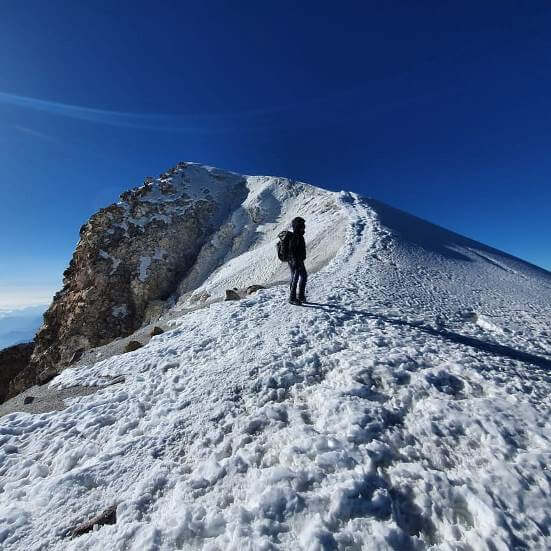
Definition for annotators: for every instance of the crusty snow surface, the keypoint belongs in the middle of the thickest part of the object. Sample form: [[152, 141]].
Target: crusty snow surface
[[407, 409]]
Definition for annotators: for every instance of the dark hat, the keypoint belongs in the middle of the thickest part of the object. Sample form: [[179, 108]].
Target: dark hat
[[298, 222]]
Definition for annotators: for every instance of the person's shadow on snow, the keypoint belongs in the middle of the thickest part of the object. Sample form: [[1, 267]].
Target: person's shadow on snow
[[490, 347]]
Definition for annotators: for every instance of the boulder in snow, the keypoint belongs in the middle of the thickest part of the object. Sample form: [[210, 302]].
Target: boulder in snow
[[109, 516], [132, 345], [232, 295], [254, 288]]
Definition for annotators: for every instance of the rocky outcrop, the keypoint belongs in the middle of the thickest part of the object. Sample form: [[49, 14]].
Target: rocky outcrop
[[129, 261], [13, 361]]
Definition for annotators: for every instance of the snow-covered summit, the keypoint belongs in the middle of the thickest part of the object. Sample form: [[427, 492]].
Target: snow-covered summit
[[406, 408], [184, 237]]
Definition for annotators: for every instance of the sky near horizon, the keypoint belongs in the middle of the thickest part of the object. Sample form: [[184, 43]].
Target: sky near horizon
[[441, 109]]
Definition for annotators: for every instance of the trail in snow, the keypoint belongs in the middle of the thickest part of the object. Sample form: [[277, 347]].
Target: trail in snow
[[260, 425]]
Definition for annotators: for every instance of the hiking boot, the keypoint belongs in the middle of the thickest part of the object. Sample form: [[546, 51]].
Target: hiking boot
[[294, 301]]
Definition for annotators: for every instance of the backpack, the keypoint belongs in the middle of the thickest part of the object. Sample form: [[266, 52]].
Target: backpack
[[283, 245]]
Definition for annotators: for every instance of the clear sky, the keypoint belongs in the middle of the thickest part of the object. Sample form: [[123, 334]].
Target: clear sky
[[440, 108]]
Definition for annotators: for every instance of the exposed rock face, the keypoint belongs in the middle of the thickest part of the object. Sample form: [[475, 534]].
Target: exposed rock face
[[13, 361], [131, 257]]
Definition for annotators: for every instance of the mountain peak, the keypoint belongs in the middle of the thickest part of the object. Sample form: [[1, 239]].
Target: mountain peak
[[389, 412]]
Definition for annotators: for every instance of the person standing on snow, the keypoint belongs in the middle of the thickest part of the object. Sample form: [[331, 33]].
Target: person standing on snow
[[297, 256]]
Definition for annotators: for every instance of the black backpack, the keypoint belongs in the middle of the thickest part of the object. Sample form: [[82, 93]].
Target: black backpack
[[283, 245]]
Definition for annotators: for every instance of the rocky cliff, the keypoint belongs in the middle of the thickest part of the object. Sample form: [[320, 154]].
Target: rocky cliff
[[13, 361], [129, 260]]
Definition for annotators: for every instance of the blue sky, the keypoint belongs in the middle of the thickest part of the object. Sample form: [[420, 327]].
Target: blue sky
[[439, 108]]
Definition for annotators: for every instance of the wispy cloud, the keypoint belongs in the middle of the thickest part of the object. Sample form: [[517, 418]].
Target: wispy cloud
[[148, 121], [35, 133], [332, 108]]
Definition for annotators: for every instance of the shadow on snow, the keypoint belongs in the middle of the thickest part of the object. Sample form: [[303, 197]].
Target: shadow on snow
[[490, 347]]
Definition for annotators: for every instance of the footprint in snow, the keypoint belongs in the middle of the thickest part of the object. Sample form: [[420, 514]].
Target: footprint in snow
[[446, 382]]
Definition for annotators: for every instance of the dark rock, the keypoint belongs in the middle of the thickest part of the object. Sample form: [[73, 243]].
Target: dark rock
[[115, 380], [254, 288], [13, 362], [76, 356], [109, 516], [469, 316], [156, 331], [28, 400], [46, 376], [232, 295], [132, 345]]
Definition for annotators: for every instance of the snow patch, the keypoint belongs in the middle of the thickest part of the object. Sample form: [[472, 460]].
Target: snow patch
[[484, 323], [120, 311], [116, 261], [143, 267]]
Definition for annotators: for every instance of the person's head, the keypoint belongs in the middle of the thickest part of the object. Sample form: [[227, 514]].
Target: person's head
[[298, 224]]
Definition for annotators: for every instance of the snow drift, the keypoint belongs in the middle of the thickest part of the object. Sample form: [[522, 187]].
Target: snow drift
[[407, 407]]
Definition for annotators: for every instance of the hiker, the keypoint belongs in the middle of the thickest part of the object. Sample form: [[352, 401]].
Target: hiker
[[297, 256], [291, 248]]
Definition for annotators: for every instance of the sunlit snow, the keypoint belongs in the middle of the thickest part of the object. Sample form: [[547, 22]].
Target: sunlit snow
[[407, 408]]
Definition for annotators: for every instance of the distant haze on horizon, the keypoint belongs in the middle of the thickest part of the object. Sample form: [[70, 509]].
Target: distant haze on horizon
[[438, 109], [14, 298]]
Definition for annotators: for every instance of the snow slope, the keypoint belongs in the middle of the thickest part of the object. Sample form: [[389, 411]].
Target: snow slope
[[408, 408], [241, 252]]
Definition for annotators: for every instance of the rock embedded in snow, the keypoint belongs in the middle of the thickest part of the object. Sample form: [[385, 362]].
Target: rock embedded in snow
[[251, 289], [109, 516], [132, 345], [231, 294]]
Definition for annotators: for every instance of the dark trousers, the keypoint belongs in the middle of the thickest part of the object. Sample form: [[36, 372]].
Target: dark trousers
[[298, 278]]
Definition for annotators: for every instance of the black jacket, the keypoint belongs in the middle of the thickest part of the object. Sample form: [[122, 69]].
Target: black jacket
[[297, 248]]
